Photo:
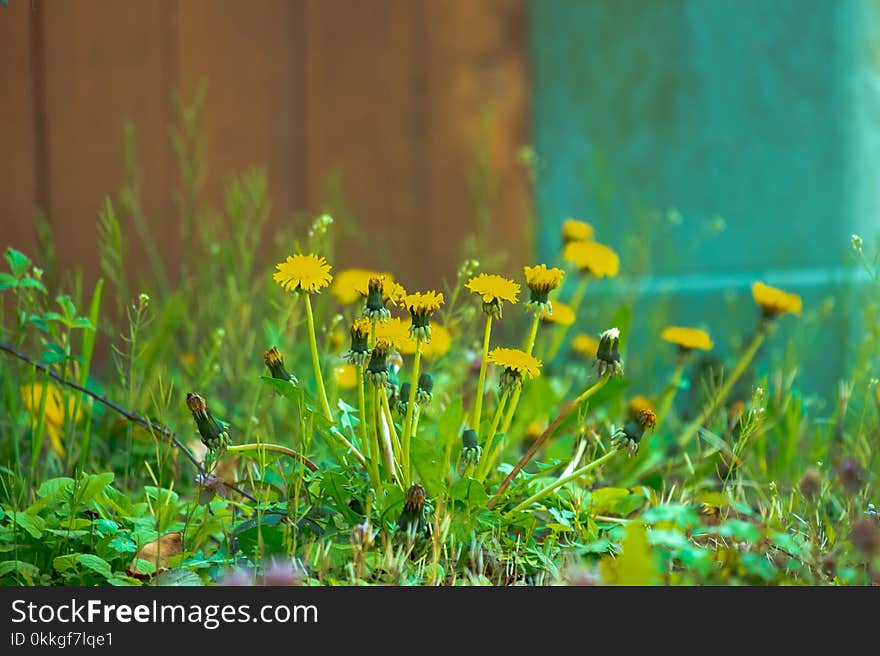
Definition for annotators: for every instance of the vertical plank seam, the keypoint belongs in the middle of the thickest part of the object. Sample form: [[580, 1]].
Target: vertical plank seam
[[170, 63], [40, 111], [426, 215]]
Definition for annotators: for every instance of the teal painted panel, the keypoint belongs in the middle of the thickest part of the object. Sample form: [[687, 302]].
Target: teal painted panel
[[720, 141]]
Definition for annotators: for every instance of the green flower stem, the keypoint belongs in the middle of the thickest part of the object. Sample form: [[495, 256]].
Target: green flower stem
[[483, 464], [562, 331], [366, 442], [276, 448], [348, 445], [668, 395], [748, 355], [529, 347], [481, 384], [559, 482], [392, 431], [410, 407], [313, 343], [537, 444]]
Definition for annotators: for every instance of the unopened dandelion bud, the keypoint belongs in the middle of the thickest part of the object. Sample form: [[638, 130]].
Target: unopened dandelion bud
[[403, 399], [376, 309], [470, 450], [607, 356], [630, 436], [425, 389], [412, 519], [359, 350], [275, 362], [377, 371], [212, 431]]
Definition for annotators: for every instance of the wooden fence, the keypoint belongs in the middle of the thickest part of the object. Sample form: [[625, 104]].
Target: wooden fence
[[389, 93]]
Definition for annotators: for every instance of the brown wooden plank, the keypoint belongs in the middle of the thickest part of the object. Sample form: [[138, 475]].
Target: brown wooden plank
[[364, 87], [103, 63], [18, 186], [396, 90], [252, 56], [477, 99]]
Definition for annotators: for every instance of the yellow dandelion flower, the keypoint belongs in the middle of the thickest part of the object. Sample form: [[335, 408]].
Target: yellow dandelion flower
[[441, 341], [424, 303], [562, 314], [351, 285], [346, 376], [396, 332], [534, 430], [639, 403], [337, 339], [774, 302], [303, 273], [53, 418], [541, 281], [395, 294], [592, 257], [494, 290], [574, 230], [517, 365], [585, 345], [687, 338], [421, 306]]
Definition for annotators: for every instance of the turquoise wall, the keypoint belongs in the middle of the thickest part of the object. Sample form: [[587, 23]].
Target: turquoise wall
[[716, 142]]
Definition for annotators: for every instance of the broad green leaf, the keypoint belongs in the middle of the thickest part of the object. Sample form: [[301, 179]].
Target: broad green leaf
[[471, 492], [96, 564], [679, 514], [27, 281], [81, 322], [18, 262], [8, 281], [284, 387], [64, 563], [177, 577], [427, 460], [28, 571], [160, 495], [635, 566], [262, 536], [122, 545], [91, 486], [33, 524], [391, 505], [628, 504], [739, 529], [67, 307], [605, 498]]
